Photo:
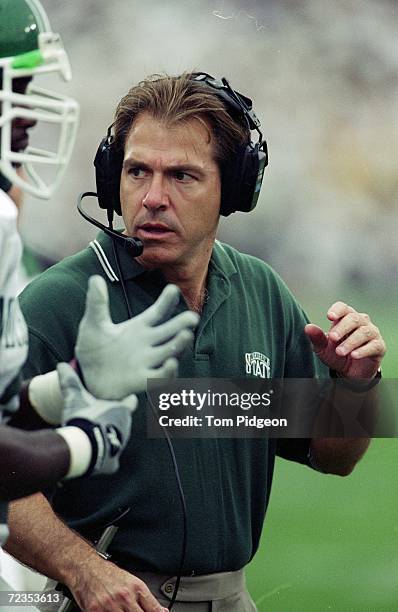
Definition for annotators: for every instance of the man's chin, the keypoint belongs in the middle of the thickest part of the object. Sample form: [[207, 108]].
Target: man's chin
[[155, 256]]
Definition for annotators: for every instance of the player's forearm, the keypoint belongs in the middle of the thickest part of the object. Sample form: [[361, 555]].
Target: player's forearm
[[337, 455], [25, 464], [40, 403], [348, 419], [39, 539]]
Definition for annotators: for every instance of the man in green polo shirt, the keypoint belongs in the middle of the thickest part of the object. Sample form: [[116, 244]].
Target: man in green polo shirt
[[177, 141]]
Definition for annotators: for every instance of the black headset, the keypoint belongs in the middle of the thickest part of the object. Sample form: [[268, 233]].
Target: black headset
[[241, 178]]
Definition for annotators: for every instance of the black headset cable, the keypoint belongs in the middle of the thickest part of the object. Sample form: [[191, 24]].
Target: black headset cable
[[169, 444]]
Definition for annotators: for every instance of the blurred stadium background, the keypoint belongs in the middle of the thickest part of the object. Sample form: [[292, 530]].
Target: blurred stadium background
[[322, 76]]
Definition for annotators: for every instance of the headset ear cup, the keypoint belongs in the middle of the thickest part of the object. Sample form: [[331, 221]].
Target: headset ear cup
[[242, 175], [241, 180], [108, 167], [260, 156], [231, 183], [249, 192]]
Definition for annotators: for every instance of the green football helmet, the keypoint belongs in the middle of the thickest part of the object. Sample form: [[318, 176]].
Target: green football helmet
[[28, 47]]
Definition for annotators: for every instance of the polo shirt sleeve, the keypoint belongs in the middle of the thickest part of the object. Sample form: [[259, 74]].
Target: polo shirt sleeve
[[52, 305], [301, 362], [43, 356]]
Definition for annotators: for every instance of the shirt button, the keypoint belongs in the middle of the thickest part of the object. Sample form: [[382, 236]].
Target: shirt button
[[169, 588]]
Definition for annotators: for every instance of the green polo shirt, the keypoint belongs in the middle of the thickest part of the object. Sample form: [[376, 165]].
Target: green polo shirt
[[226, 482]]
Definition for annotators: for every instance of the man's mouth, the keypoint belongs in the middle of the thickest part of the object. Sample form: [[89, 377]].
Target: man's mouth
[[153, 231]]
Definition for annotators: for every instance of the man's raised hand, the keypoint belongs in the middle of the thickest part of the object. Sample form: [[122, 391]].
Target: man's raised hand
[[353, 347]]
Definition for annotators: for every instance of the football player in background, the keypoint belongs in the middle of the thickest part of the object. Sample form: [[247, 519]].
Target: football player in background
[[93, 429]]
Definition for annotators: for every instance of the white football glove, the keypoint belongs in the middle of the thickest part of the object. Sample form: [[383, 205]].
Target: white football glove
[[117, 359], [106, 423]]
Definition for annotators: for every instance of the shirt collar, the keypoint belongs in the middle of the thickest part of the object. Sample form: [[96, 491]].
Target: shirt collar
[[220, 262], [129, 266]]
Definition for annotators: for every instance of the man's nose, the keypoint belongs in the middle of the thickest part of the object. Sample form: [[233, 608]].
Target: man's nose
[[157, 195]]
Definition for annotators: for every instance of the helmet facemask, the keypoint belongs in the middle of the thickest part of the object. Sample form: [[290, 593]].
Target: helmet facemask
[[44, 168]]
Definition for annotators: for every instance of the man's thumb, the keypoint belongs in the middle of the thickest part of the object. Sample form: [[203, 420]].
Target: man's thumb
[[317, 337]]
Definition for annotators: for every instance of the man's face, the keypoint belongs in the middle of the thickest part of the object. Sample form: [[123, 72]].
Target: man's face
[[170, 190]]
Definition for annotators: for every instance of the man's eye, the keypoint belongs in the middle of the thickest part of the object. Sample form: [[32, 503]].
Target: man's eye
[[182, 177], [136, 172]]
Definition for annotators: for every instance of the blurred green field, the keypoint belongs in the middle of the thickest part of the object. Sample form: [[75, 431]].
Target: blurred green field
[[331, 543]]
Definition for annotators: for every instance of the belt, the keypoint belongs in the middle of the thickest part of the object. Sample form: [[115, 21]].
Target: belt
[[208, 587]]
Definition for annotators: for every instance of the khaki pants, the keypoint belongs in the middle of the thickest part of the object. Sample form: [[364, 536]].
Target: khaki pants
[[223, 592]]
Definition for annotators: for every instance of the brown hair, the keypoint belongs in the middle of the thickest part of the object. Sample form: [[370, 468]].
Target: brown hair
[[179, 99]]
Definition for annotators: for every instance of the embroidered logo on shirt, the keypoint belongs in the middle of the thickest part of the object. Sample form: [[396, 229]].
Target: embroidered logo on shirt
[[258, 364]]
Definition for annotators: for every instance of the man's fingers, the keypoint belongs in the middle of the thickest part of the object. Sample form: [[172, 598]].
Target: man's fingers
[[374, 348], [168, 330], [131, 605], [164, 306], [97, 299], [149, 603], [348, 324], [356, 339], [338, 310], [317, 337]]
